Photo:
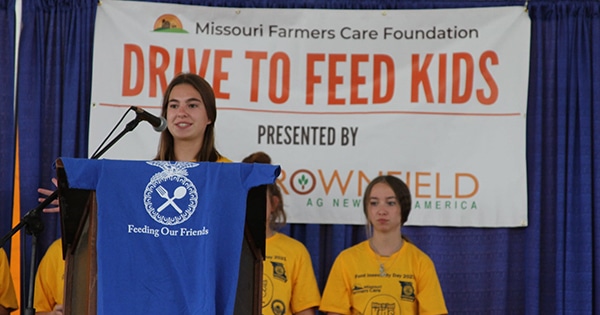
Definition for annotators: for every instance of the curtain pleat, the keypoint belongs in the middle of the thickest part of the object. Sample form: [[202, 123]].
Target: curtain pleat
[[7, 113], [54, 87], [562, 121]]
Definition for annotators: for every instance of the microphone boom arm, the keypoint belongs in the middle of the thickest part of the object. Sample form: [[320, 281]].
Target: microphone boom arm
[[129, 127], [34, 225]]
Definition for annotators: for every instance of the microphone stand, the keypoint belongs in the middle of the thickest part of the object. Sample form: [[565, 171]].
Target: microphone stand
[[34, 225], [129, 127]]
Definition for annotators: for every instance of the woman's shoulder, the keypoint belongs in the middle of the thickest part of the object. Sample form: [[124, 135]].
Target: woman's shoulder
[[53, 254], [288, 240], [414, 251], [356, 250], [223, 159], [56, 246]]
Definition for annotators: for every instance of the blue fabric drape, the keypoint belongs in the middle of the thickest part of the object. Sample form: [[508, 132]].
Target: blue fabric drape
[[551, 266], [563, 147], [7, 131], [54, 86]]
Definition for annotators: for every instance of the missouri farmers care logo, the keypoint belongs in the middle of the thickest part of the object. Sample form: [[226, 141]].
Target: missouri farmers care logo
[[168, 23]]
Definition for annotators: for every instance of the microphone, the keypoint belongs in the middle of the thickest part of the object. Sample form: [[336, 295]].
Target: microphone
[[159, 123]]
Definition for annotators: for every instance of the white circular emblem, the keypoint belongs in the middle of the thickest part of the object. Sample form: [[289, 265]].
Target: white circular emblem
[[170, 198]]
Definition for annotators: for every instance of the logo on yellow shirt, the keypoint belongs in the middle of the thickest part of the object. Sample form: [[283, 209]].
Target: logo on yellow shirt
[[408, 291], [278, 307], [279, 271]]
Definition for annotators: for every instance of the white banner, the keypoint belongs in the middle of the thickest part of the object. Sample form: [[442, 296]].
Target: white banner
[[337, 97]]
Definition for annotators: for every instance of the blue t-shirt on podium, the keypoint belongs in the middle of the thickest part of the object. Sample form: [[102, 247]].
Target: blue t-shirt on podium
[[169, 233]]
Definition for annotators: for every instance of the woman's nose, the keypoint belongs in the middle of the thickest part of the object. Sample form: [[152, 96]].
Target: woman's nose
[[181, 111], [381, 210]]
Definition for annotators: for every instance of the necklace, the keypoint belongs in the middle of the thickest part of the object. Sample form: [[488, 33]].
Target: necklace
[[382, 272]]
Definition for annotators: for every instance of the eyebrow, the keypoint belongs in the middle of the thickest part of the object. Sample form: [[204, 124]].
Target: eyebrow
[[386, 198], [187, 100]]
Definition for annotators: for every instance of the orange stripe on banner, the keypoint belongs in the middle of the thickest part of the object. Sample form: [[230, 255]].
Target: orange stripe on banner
[[15, 244]]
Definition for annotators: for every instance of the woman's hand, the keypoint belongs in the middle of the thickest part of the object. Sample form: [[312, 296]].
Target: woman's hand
[[57, 310], [53, 208]]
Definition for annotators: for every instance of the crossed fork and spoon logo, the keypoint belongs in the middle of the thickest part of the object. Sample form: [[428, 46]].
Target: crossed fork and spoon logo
[[179, 193]]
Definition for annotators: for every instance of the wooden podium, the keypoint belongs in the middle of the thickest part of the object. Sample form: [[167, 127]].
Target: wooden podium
[[78, 212]]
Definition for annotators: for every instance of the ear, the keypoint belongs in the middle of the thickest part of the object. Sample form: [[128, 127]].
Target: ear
[[275, 202]]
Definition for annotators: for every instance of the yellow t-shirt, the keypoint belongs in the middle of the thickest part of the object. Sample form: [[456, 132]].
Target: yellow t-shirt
[[8, 299], [289, 283], [223, 159], [50, 279], [408, 283]]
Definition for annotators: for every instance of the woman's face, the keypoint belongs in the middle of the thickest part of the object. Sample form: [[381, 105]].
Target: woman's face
[[186, 113], [383, 209]]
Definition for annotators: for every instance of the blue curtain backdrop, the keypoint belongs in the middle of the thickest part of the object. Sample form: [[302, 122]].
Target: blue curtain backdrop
[[549, 267], [7, 131], [53, 93], [562, 241]]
